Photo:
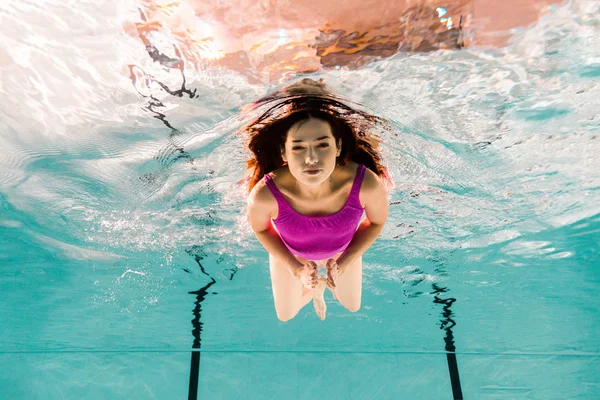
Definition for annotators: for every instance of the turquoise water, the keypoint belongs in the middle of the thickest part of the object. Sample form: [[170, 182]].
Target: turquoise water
[[128, 272]]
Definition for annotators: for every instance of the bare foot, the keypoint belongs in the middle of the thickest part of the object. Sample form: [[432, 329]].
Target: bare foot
[[319, 299]]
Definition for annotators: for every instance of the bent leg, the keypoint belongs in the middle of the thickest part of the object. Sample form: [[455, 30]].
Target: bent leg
[[288, 293], [348, 286]]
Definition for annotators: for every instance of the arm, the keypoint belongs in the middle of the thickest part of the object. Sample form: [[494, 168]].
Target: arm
[[272, 242], [374, 196], [260, 206]]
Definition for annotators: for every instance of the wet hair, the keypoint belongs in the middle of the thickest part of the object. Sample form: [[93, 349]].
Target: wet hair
[[267, 133]]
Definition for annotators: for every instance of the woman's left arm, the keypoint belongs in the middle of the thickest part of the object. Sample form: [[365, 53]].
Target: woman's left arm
[[374, 196]]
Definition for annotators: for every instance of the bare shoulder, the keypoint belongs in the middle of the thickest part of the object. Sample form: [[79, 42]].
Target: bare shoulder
[[372, 185], [373, 197], [262, 205], [261, 196], [372, 181]]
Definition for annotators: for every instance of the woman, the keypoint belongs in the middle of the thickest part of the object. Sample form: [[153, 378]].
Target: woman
[[313, 172]]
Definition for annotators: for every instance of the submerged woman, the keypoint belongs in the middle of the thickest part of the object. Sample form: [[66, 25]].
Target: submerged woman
[[313, 173]]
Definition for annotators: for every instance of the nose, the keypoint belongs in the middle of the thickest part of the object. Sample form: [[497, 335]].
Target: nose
[[311, 156]]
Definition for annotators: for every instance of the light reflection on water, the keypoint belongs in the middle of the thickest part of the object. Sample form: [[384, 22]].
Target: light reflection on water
[[484, 141]]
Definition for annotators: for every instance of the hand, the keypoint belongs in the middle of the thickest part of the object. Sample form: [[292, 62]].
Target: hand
[[308, 274], [333, 272]]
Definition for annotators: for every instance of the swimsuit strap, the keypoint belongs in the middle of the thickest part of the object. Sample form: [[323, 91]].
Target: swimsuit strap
[[355, 191], [271, 185]]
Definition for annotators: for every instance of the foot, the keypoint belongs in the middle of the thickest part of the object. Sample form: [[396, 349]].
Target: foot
[[319, 299]]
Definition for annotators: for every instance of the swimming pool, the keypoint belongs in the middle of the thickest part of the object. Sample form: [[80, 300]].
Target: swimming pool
[[127, 270]]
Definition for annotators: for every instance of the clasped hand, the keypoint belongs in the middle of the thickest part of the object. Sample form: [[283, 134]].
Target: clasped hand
[[307, 273]]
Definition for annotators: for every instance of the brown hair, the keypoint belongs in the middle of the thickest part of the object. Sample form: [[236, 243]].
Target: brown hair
[[268, 132]]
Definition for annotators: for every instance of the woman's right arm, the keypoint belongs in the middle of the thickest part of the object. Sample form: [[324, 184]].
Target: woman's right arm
[[261, 204]]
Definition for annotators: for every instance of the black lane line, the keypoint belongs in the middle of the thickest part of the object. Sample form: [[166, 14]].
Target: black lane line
[[194, 374], [446, 324], [199, 255], [197, 324], [196, 332]]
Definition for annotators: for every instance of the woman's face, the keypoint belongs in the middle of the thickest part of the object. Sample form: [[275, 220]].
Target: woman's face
[[311, 151]]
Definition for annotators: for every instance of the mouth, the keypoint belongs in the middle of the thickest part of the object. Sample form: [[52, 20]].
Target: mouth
[[312, 171]]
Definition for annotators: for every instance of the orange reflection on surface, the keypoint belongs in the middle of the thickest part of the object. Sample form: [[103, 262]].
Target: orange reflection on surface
[[267, 40]]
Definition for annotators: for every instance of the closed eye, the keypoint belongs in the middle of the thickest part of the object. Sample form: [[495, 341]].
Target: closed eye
[[322, 145]]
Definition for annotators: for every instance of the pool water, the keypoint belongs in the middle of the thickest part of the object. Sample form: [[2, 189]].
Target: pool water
[[128, 270]]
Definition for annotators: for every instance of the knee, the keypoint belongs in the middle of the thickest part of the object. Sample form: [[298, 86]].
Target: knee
[[285, 316], [353, 307]]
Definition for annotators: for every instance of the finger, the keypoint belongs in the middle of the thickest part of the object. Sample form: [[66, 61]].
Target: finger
[[331, 283], [333, 265], [334, 271], [330, 279]]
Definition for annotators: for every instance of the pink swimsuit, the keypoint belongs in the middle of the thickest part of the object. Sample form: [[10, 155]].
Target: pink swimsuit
[[318, 238]]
